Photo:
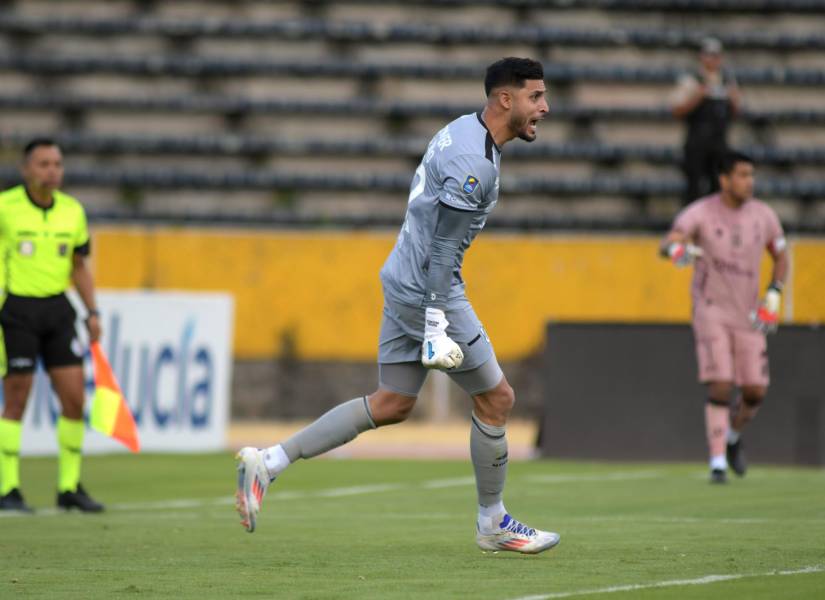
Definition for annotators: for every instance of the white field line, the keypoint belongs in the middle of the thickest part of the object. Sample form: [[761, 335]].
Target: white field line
[[358, 490], [707, 579], [689, 520], [437, 484], [221, 514], [615, 476], [335, 492]]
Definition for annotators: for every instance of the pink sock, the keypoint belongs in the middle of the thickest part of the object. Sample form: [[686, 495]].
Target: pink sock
[[716, 425]]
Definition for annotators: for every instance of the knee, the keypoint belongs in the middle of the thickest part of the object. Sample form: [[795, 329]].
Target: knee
[[753, 397], [389, 407], [719, 393], [505, 399], [402, 407], [73, 410], [72, 405], [13, 411], [494, 406], [15, 392]]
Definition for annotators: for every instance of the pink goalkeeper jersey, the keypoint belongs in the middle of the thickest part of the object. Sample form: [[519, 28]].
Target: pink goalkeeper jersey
[[726, 278]]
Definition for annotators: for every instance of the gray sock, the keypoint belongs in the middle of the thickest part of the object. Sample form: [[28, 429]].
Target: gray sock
[[488, 449], [334, 428]]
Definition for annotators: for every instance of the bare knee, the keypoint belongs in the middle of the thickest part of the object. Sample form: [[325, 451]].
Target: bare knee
[[390, 407], [69, 386], [719, 392], [494, 406], [16, 390], [753, 396]]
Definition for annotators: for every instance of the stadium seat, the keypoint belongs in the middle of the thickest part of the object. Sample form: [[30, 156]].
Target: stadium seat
[[239, 105], [81, 142], [179, 178], [421, 33], [236, 81], [205, 67]]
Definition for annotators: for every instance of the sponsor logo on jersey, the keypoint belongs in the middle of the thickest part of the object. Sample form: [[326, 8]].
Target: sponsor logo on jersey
[[470, 184]]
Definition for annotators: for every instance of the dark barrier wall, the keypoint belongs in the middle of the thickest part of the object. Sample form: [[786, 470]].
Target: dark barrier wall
[[617, 391]]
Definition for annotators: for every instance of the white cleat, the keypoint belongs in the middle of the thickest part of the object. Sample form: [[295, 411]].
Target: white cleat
[[253, 480], [514, 536]]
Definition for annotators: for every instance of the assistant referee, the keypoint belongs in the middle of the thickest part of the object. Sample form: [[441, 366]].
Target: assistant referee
[[45, 243]]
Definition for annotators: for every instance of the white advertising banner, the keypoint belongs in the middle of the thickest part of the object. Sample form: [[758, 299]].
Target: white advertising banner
[[172, 355]]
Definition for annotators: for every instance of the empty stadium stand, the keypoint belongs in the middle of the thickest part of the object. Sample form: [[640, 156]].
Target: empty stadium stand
[[399, 33], [314, 113]]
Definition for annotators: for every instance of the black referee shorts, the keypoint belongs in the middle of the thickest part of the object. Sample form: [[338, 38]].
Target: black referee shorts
[[42, 327]]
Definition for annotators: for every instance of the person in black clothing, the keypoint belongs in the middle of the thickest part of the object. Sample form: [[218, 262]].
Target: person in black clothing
[[708, 101]]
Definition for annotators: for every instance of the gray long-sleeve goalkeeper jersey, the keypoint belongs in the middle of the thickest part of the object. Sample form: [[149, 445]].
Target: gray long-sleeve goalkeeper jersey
[[460, 170]]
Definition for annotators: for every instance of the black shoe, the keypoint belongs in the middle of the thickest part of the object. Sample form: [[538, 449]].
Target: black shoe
[[718, 476], [14, 501], [78, 499], [736, 458]]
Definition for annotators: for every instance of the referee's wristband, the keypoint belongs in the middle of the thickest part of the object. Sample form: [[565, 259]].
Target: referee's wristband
[[93, 313], [776, 286]]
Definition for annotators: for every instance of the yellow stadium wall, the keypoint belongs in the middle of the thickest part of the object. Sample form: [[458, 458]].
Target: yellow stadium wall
[[318, 294]]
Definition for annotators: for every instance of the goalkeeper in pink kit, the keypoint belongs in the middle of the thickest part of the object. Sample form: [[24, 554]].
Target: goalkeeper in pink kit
[[725, 235]]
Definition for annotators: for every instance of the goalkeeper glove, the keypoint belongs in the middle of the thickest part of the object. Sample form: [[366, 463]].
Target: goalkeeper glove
[[682, 254], [438, 350], [766, 317]]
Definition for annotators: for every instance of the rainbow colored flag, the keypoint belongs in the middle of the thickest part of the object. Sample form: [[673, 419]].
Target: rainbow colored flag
[[110, 414]]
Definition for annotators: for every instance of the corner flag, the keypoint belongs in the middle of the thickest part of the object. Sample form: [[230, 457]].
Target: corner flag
[[110, 414]]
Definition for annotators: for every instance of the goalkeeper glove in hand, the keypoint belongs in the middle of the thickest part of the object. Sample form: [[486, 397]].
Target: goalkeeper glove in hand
[[766, 317], [438, 350], [683, 254]]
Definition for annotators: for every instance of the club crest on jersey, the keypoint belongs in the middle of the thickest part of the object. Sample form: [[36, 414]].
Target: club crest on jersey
[[26, 248], [470, 184]]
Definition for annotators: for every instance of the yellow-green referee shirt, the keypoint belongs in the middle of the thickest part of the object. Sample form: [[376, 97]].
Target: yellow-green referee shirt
[[39, 243]]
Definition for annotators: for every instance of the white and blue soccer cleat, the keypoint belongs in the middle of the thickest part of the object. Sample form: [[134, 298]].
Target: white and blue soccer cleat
[[513, 536], [253, 481]]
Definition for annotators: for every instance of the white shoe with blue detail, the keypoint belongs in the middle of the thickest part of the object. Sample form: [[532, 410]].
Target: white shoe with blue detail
[[253, 481], [514, 536]]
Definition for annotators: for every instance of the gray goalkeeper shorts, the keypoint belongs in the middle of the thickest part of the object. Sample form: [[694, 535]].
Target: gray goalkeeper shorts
[[399, 350]]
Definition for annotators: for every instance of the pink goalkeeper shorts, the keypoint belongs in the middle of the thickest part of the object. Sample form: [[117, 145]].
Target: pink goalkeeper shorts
[[734, 354]]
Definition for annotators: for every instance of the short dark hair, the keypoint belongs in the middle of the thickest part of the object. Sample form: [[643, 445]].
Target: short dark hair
[[37, 143], [730, 159], [511, 71]]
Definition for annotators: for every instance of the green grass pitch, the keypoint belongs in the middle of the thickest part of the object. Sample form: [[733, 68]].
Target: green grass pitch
[[405, 529]]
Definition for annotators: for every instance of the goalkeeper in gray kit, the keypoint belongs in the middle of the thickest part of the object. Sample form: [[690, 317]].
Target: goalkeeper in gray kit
[[428, 322]]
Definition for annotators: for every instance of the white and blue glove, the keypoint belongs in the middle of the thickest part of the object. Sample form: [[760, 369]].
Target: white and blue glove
[[682, 254], [438, 350]]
